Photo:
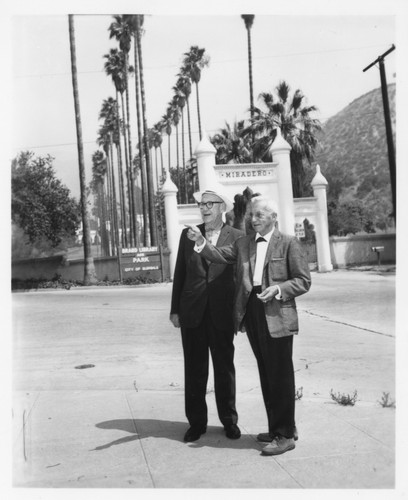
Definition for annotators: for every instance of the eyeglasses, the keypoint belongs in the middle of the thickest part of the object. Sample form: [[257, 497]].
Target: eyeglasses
[[208, 204]]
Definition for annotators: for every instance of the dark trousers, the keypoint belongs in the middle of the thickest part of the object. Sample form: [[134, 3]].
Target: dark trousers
[[197, 342], [275, 365]]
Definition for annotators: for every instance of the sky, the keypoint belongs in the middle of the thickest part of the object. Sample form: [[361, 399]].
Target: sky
[[320, 53]]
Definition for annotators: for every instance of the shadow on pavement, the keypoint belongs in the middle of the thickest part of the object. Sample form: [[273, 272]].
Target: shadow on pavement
[[147, 428]]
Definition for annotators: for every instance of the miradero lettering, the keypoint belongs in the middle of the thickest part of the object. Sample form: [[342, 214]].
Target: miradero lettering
[[248, 173]]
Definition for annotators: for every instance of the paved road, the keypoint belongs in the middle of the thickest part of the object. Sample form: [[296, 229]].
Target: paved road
[[98, 383]]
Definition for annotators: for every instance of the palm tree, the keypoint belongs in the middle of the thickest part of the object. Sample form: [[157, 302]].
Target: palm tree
[[89, 268], [249, 20], [194, 61], [174, 113], [109, 113], [167, 123], [233, 145], [184, 86], [298, 128], [105, 139], [131, 29], [115, 67], [121, 30], [98, 186], [180, 100], [139, 19], [157, 140]]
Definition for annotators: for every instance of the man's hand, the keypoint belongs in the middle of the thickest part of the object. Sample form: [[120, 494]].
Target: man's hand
[[175, 319], [194, 234], [268, 294]]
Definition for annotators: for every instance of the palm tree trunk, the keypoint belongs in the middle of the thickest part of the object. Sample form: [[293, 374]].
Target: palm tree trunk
[[251, 91], [131, 201], [132, 179], [298, 174], [168, 148], [179, 195], [89, 268], [114, 200], [156, 162], [121, 183], [184, 158], [161, 162], [104, 236], [123, 224], [189, 128], [152, 215], [143, 173], [198, 111], [112, 239]]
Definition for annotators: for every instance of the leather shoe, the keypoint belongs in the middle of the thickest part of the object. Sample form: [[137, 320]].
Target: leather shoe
[[194, 433], [233, 432], [265, 437], [278, 446]]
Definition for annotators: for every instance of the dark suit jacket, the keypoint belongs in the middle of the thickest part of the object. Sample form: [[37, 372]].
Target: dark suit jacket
[[285, 265], [197, 283]]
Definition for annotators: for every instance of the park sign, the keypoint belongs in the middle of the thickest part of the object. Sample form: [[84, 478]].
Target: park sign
[[142, 262]]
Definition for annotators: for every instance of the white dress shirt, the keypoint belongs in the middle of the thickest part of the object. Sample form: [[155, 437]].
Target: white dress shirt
[[261, 249], [212, 236]]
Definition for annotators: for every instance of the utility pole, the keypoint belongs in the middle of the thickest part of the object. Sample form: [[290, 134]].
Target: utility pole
[[388, 128]]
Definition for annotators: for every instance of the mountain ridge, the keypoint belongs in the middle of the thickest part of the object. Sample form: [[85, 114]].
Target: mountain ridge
[[353, 155]]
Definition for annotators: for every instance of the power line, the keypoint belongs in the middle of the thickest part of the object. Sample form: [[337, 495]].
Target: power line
[[223, 61]]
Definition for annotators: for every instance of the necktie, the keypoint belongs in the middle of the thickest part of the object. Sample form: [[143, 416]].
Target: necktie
[[260, 239]]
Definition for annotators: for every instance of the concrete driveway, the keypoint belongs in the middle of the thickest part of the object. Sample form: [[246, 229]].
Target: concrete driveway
[[98, 393]]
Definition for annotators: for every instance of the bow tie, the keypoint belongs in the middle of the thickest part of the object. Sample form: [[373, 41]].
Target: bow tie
[[260, 239]]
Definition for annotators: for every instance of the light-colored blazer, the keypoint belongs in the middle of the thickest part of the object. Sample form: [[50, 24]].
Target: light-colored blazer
[[285, 265]]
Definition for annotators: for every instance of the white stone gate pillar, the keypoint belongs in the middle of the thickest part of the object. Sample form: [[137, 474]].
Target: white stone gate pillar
[[319, 184], [280, 150], [205, 154], [169, 191]]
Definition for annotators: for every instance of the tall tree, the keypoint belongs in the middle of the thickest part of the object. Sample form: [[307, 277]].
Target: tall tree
[[105, 140], [139, 19], [184, 86], [40, 204], [109, 113], [194, 61], [180, 100], [120, 29], [115, 67], [249, 21], [174, 112], [298, 128], [158, 140], [233, 144], [167, 128], [131, 22], [98, 187], [89, 268]]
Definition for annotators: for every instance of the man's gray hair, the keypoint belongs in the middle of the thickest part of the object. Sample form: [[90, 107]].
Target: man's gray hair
[[266, 203]]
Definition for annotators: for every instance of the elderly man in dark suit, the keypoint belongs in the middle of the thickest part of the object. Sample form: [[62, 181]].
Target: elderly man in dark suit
[[201, 304], [270, 272]]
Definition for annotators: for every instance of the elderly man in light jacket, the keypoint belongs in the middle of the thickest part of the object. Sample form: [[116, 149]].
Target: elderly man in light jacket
[[271, 270]]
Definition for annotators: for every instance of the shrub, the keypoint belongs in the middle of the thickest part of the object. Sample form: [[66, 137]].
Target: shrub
[[344, 399]]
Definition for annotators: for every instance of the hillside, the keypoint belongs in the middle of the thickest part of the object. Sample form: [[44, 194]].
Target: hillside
[[353, 155]]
